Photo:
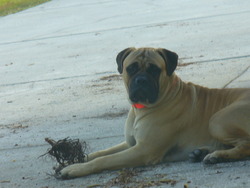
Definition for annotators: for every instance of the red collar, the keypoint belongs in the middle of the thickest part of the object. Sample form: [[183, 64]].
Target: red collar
[[139, 106]]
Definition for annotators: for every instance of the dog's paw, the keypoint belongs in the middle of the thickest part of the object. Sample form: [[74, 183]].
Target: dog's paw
[[198, 155], [60, 176], [69, 172], [217, 157], [212, 158]]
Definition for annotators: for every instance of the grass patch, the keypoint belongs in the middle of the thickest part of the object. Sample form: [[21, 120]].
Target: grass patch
[[13, 6]]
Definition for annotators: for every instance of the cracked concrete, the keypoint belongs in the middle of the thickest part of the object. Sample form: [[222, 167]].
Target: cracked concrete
[[59, 79], [243, 73]]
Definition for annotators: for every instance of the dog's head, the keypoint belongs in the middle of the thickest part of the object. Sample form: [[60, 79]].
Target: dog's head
[[146, 71]]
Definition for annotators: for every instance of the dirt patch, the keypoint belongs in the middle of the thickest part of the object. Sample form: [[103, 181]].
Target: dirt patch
[[123, 178], [105, 84], [112, 77], [100, 85], [183, 59], [185, 64], [132, 177], [14, 127], [112, 115]]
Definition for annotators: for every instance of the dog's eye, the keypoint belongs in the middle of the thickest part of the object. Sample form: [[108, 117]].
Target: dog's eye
[[133, 68], [153, 70]]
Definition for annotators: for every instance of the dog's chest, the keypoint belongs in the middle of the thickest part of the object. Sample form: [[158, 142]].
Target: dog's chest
[[131, 131]]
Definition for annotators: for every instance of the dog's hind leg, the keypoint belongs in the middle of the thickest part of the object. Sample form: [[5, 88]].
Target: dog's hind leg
[[231, 126], [239, 152]]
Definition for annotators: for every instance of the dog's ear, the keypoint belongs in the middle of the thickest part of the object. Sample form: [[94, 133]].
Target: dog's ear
[[170, 58], [121, 57]]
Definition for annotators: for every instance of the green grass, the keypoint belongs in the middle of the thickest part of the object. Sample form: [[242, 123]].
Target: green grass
[[13, 6]]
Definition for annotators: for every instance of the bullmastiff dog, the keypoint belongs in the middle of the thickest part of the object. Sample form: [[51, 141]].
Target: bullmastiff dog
[[171, 120]]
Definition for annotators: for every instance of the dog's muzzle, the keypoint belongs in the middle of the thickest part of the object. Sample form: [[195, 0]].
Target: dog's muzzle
[[143, 88]]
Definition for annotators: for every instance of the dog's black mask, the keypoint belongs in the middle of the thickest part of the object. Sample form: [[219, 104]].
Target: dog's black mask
[[144, 83]]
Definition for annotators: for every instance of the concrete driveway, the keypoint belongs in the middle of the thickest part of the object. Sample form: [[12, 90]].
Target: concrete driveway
[[59, 79]]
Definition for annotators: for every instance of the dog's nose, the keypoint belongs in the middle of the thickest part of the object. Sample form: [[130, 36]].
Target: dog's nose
[[140, 80]]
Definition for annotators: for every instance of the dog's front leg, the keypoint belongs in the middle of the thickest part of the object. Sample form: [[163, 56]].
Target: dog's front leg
[[131, 157], [117, 148]]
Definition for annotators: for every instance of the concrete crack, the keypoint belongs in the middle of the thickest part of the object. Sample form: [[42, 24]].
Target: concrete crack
[[56, 79], [236, 77], [221, 59]]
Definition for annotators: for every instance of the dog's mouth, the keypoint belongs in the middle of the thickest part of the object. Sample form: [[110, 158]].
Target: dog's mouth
[[142, 95], [137, 96]]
